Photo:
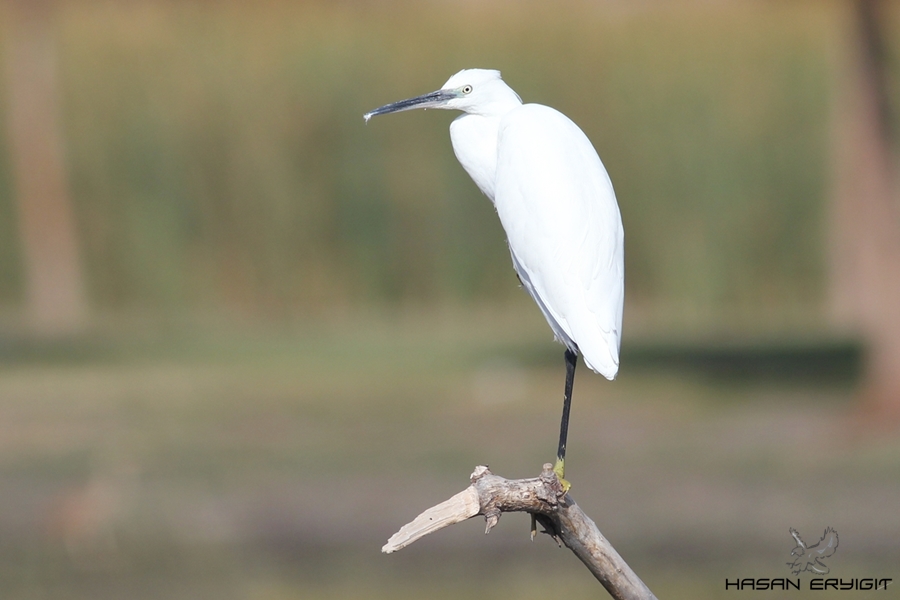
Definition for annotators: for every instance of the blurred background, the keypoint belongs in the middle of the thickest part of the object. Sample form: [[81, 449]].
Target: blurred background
[[244, 337]]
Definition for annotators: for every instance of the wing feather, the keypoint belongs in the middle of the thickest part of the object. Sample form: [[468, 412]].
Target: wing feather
[[557, 205]]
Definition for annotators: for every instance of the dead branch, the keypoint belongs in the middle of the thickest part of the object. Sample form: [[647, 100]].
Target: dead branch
[[544, 498]]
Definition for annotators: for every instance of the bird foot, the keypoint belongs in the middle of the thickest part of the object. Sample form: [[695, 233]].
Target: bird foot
[[560, 469]]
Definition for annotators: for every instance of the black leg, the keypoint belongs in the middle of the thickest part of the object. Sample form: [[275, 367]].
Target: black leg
[[571, 360]]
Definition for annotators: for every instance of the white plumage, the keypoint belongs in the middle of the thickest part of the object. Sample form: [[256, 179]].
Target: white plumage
[[557, 206], [555, 201]]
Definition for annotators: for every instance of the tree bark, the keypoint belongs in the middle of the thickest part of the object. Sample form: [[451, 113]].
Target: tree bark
[[550, 505], [865, 249], [54, 294]]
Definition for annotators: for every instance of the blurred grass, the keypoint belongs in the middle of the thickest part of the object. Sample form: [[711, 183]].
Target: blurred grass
[[221, 169], [276, 465], [219, 162]]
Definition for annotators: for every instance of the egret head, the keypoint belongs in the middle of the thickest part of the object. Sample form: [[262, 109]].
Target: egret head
[[474, 91]]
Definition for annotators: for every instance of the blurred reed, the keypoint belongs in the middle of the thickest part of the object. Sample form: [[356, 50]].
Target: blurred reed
[[219, 160]]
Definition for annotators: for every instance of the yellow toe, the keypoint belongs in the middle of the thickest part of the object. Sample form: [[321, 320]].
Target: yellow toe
[[560, 469]]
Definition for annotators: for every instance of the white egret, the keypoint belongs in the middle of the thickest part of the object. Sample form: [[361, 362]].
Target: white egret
[[556, 203]]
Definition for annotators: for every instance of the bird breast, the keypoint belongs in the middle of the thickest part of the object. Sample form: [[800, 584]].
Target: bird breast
[[474, 139]]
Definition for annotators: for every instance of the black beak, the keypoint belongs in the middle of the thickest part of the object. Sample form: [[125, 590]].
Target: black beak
[[436, 99]]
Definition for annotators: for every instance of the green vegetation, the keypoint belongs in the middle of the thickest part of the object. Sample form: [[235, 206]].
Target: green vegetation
[[220, 165], [219, 160]]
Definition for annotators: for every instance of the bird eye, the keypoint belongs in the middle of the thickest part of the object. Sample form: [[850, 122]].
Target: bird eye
[[467, 89]]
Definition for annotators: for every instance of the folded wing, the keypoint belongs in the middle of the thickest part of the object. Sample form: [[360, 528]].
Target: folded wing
[[557, 205]]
